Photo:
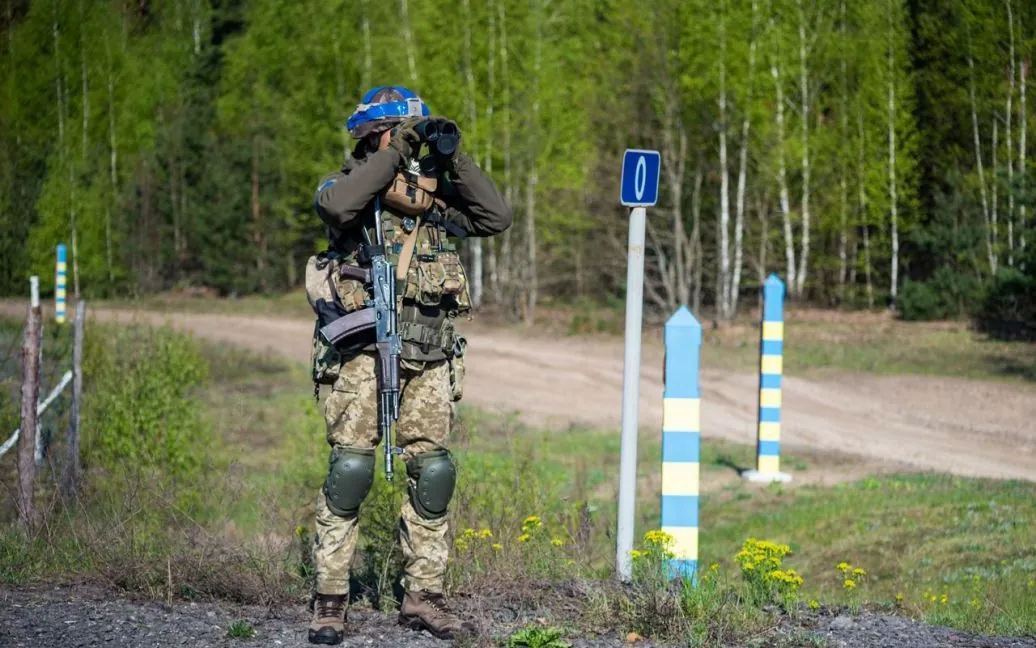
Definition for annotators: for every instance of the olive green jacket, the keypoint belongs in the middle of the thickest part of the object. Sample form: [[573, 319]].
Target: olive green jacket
[[345, 198]]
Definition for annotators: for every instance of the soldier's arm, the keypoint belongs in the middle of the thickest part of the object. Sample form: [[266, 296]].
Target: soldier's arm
[[472, 200], [341, 197]]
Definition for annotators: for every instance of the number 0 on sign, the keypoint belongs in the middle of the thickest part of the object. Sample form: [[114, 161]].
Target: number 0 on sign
[[640, 170]]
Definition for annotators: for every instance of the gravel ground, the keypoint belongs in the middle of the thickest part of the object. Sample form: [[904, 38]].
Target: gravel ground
[[81, 616]]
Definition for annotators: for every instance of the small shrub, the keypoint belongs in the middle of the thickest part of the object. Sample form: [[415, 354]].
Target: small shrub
[[1009, 309], [138, 413], [534, 637], [761, 563], [946, 295], [241, 630]]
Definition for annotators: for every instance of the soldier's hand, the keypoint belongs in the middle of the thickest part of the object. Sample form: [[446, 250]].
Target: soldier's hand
[[405, 138]]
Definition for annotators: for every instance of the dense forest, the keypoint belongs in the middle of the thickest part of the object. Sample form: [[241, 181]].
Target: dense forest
[[871, 152]]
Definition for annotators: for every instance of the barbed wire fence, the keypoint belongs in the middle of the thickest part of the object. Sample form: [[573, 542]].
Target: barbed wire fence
[[41, 365]]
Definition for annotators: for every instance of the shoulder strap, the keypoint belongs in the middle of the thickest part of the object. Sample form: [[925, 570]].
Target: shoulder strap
[[407, 251]]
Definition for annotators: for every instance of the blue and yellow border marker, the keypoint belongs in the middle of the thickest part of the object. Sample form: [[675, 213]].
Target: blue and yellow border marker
[[771, 368], [61, 284], [681, 441]]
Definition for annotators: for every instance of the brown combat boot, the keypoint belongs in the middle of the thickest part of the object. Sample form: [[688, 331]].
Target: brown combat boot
[[422, 610], [328, 625]]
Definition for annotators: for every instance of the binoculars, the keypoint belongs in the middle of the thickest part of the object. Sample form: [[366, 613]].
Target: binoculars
[[441, 135]]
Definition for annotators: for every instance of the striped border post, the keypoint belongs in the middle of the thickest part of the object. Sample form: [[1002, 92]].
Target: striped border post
[[61, 284], [771, 368], [681, 441]]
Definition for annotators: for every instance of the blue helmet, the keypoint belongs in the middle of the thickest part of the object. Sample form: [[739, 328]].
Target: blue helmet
[[383, 107]]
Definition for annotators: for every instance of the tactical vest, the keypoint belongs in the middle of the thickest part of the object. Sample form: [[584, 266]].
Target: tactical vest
[[433, 293]]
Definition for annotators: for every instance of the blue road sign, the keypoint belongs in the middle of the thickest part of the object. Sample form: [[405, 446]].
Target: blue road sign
[[640, 178]]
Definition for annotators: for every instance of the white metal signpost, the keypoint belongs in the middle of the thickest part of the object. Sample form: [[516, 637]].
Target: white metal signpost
[[640, 171]]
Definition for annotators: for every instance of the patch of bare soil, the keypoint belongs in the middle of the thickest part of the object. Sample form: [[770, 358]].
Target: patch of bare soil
[[84, 616]]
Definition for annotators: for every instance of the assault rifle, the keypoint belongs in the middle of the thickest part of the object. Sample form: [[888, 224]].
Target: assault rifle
[[381, 316]]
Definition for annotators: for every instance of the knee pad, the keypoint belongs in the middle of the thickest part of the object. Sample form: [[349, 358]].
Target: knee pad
[[432, 478], [349, 480]]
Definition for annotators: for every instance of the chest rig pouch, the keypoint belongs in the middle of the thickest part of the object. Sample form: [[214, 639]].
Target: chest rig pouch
[[410, 192], [432, 287]]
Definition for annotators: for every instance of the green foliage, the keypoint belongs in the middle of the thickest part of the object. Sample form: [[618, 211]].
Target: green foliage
[[947, 295], [241, 630], [537, 637], [1009, 310], [138, 413]]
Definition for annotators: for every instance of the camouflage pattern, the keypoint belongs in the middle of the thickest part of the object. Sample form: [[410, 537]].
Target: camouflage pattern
[[425, 418]]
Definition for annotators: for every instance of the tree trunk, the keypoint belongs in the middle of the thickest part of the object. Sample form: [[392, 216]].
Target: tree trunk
[[507, 267], [893, 198], [864, 216], [86, 91], [365, 27], [800, 276], [742, 173], [782, 177], [723, 292], [532, 284], [112, 163], [1009, 135], [472, 113], [494, 278], [990, 252], [1022, 170], [843, 166], [408, 40], [699, 262], [258, 241], [674, 164]]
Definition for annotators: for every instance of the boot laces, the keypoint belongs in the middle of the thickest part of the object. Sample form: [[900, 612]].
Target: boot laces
[[327, 607], [438, 602]]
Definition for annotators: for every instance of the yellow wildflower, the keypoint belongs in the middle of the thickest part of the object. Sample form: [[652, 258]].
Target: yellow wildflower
[[859, 572], [531, 523], [469, 533], [849, 584], [461, 544], [658, 537], [636, 553], [714, 567], [975, 603], [300, 531], [524, 537], [497, 546], [813, 605], [485, 534], [557, 542], [844, 567], [944, 599], [899, 598]]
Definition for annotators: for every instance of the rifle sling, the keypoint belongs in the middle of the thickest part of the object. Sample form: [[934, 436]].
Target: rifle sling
[[407, 252]]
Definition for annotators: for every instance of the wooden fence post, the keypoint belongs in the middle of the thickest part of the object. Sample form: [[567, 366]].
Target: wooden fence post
[[71, 483], [30, 397]]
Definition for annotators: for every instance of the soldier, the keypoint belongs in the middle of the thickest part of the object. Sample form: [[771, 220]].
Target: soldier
[[422, 201]]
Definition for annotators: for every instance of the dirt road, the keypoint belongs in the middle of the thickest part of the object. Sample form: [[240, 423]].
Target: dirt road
[[966, 427]]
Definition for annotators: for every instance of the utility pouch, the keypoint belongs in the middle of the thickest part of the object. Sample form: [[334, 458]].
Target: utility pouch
[[457, 367], [331, 296], [410, 193]]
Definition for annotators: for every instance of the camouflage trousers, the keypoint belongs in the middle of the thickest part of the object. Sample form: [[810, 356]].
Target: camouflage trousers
[[425, 418]]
